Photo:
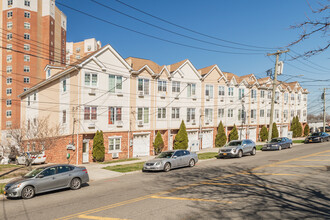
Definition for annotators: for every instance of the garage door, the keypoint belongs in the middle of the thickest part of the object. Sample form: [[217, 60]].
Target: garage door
[[284, 131], [242, 133], [253, 134], [193, 142], [141, 145], [207, 141]]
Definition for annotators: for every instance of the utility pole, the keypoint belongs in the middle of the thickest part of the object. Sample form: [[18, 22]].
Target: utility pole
[[273, 92]]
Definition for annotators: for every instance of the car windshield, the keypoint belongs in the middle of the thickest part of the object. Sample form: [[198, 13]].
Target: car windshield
[[165, 155], [276, 140], [316, 134], [235, 143], [33, 173]]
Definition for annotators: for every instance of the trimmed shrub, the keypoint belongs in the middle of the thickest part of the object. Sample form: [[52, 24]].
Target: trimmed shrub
[[293, 127], [98, 147], [233, 135], [158, 143], [299, 128], [263, 133], [221, 137], [274, 131], [181, 139], [306, 130]]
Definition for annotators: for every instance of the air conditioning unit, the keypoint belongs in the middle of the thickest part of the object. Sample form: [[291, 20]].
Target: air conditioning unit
[[193, 121], [119, 123], [222, 99], [115, 155], [140, 123], [91, 125], [92, 91], [231, 100], [252, 101], [163, 95], [194, 97], [141, 94], [207, 122], [207, 98], [119, 92], [177, 97], [262, 102], [285, 102]]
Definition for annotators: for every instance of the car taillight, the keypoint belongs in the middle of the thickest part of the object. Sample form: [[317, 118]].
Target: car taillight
[[85, 170], [44, 156]]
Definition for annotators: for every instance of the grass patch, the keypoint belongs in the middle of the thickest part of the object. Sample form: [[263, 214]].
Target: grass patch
[[258, 147], [6, 166], [126, 167], [209, 155], [2, 187], [117, 161], [298, 141]]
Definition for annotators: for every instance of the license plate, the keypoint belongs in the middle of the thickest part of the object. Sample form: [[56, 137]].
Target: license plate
[[147, 167], [39, 157], [268, 147], [224, 153], [4, 192], [310, 140]]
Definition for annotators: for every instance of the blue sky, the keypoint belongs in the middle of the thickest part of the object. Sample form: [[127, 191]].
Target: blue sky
[[254, 22]]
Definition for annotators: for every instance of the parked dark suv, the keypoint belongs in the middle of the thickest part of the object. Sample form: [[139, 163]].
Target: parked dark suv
[[317, 137]]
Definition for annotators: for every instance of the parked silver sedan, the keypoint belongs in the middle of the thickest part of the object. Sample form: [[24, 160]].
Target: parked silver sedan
[[171, 159], [47, 178], [238, 148]]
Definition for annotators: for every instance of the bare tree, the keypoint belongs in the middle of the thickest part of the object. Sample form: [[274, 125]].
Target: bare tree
[[312, 27], [39, 134]]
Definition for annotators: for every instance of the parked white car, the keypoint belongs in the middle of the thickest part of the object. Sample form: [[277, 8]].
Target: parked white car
[[36, 158]]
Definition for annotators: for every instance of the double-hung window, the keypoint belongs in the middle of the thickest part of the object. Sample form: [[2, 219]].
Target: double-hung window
[[285, 114], [114, 144], [64, 88], [292, 97], [10, 2], [9, 91], [114, 115], [268, 113], [9, 47], [262, 113], [26, 47], [8, 102], [27, 3], [191, 89], [9, 80], [241, 114], [221, 113], [27, 14], [161, 113], [230, 91], [253, 94], [240, 93], [8, 113], [262, 94], [9, 25], [91, 79], [9, 69], [9, 36], [26, 80], [209, 91], [9, 58], [90, 113], [9, 14], [269, 95], [230, 113], [221, 90], [115, 83], [143, 115], [27, 36], [277, 114], [286, 97], [209, 114], [143, 86], [292, 113], [26, 69], [64, 116], [253, 114], [27, 25], [277, 97], [175, 113], [175, 86], [26, 58], [162, 86], [190, 114]]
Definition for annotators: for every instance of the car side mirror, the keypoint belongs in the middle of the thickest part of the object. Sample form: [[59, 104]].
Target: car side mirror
[[174, 157], [40, 176]]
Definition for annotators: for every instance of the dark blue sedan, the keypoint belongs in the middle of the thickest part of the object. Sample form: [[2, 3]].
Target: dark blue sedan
[[278, 144]]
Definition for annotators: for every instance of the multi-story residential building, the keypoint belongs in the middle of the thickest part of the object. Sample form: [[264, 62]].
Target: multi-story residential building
[[33, 35], [132, 99], [75, 51]]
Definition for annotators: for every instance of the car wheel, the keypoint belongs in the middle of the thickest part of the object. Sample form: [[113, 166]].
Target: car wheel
[[75, 183], [280, 147], [191, 162], [28, 192], [322, 140], [167, 167], [240, 154], [290, 145], [16, 162], [253, 152]]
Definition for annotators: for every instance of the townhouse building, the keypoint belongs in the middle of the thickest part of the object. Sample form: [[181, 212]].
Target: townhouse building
[[132, 99], [33, 35]]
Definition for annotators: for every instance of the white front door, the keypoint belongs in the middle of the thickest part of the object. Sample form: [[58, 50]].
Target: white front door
[[141, 145], [284, 131], [253, 134], [193, 142], [207, 141], [85, 152], [242, 133]]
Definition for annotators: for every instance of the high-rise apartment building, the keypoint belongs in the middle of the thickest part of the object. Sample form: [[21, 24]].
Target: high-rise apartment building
[[33, 36], [75, 51]]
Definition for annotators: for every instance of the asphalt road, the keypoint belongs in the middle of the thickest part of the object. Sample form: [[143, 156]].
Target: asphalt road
[[288, 184]]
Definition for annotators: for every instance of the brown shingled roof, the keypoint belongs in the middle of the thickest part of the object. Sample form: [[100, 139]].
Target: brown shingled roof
[[175, 66], [138, 63], [206, 70]]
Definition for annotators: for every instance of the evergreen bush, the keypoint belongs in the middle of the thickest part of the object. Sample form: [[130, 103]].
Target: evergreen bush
[[263, 133], [299, 128], [158, 143], [233, 135], [221, 137], [306, 130], [181, 139], [98, 147], [274, 131]]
